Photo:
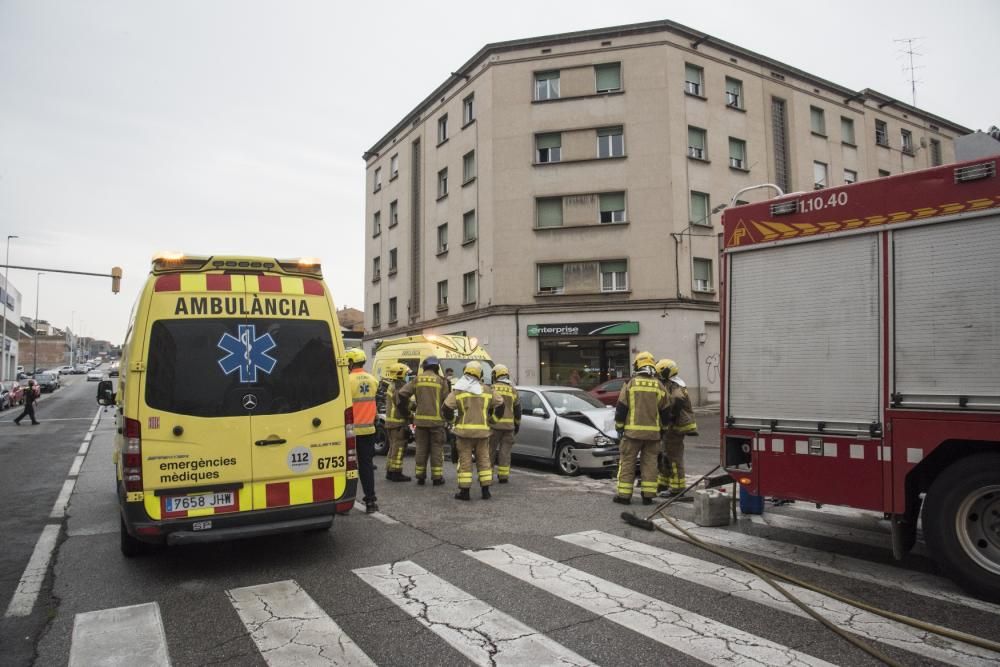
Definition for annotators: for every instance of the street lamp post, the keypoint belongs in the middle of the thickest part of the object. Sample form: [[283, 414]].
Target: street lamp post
[[3, 331], [38, 283]]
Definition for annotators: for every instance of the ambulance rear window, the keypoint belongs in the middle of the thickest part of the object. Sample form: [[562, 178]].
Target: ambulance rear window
[[205, 367]]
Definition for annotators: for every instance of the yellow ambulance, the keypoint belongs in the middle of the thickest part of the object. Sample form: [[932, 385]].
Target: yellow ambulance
[[452, 351], [233, 404]]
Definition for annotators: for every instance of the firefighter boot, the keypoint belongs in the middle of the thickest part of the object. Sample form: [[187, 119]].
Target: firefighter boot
[[622, 500], [486, 493], [463, 494], [396, 476], [421, 481], [438, 481]]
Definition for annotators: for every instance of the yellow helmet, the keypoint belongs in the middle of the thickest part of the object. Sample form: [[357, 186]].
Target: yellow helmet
[[500, 371], [396, 371], [475, 369], [666, 368], [355, 355], [643, 359]]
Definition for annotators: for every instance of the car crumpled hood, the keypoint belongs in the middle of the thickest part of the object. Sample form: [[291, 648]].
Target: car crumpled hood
[[602, 419]]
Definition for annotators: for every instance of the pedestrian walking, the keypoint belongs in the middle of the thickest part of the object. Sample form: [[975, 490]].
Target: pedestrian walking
[[429, 389], [30, 395], [643, 408], [364, 385], [472, 404], [503, 429]]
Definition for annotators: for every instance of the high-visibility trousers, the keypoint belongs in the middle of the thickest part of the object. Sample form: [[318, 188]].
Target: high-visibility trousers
[[501, 442], [645, 451], [484, 466], [397, 447], [430, 441], [671, 462]]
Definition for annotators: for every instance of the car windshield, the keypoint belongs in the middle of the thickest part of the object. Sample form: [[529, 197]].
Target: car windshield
[[571, 400]]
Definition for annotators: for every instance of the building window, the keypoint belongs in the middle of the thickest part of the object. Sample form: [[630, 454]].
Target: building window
[[819, 175], [377, 223], [549, 212], [443, 183], [469, 109], [850, 176], [548, 147], [394, 213], [881, 133], [696, 143], [935, 153], [468, 166], [614, 276], [442, 238], [469, 288], [737, 153], [550, 278], [702, 275], [442, 129], [612, 207], [847, 130], [694, 80], [469, 227], [392, 310], [610, 142], [394, 166], [442, 294], [376, 314], [547, 85], [906, 141], [392, 261], [699, 214], [376, 268], [817, 121], [882, 173], [378, 179], [609, 77], [734, 93]]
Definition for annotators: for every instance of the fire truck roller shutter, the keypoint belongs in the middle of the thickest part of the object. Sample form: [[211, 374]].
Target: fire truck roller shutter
[[806, 310], [947, 334]]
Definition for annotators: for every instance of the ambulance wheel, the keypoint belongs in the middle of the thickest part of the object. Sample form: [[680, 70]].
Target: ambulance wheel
[[962, 524], [130, 546], [381, 445], [566, 463]]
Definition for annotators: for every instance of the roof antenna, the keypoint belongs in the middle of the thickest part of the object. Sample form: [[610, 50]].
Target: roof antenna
[[907, 50]]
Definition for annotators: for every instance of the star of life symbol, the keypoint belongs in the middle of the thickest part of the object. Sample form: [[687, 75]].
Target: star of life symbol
[[247, 353]]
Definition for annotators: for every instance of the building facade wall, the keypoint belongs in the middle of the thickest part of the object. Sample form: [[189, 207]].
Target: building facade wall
[[10, 300]]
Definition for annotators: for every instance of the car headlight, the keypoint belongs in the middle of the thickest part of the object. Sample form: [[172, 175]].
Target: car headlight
[[603, 441]]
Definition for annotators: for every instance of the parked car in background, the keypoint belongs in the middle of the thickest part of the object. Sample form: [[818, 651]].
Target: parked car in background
[[48, 381], [95, 376], [11, 395], [567, 427], [80, 369], [113, 371], [607, 392], [65, 370]]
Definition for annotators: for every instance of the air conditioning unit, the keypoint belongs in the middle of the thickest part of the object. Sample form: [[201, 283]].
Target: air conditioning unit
[[444, 247], [692, 87], [732, 100], [736, 162], [698, 153], [702, 286]]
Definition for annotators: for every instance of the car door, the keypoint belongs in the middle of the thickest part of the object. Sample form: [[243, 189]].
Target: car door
[[534, 438]]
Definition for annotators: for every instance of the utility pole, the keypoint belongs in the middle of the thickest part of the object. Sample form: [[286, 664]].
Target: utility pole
[[38, 283], [908, 51]]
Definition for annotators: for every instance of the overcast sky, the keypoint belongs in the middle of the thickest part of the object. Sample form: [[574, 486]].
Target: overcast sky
[[238, 127]]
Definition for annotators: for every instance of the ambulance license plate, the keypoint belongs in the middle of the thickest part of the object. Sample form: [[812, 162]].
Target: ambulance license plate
[[200, 501]]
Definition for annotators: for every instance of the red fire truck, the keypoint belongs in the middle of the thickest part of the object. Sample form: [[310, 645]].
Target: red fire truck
[[861, 356]]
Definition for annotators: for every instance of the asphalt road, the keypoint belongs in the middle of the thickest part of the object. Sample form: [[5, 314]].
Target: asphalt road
[[545, 572]]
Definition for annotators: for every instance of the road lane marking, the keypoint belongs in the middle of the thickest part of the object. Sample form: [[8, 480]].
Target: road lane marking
[[120, 636], [75, 468], [289, 628], [84, 447], [880, 574], [59, 509], [680, 629], [381, 516], [480, 632], [742, 584], [23, 600]]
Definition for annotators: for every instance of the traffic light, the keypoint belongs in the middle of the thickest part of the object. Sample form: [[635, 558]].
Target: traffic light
[[116, 279]]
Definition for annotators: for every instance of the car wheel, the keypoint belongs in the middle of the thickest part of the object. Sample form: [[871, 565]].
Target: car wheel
[[566, 463], [130, 546], [381, 446], [962, 524]]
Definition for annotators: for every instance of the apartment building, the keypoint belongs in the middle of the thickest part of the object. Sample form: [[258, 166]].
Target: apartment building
[[558, 197]]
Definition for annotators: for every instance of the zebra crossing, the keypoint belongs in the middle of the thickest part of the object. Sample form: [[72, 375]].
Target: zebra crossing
[[287, 626]]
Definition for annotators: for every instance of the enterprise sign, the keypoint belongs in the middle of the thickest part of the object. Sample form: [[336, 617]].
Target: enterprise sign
[[584, 329]]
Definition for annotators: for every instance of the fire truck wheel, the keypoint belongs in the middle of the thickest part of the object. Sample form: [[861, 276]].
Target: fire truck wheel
[[962, 524]]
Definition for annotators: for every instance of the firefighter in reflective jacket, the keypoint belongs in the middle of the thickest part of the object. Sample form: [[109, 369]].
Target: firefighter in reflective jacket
[[429, 389], [396, 421], [671, 480], [363, 388], [472, 404], [503, 429], [643, 408]]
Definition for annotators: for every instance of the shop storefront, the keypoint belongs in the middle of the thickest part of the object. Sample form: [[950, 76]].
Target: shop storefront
[[583, 354]]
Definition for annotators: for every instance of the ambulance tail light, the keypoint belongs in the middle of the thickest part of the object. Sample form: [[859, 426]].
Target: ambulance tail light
[[132, 456], [352, 445]]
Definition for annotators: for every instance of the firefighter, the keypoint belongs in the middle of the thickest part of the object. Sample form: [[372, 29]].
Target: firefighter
[[503, 429], [671, 481], [643, 407], [429, 389], [396, 421], [472, 404], [363, 388]]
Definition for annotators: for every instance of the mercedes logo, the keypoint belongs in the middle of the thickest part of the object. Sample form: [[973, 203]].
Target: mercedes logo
[[249, 401]]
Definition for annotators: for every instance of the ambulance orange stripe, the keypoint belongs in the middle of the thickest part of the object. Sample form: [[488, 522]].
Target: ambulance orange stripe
[[269, 283], [322, 489], [312, 287], [168, 283], [218, 282], [278, 494]]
